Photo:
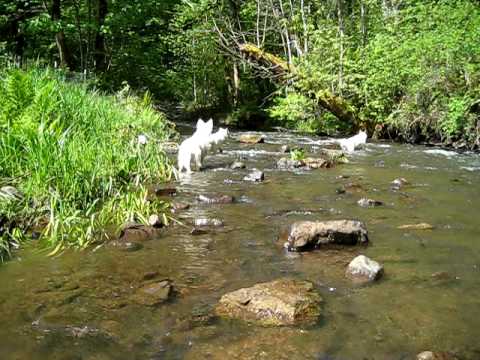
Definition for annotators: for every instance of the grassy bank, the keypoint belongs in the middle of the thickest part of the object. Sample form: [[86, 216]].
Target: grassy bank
[[73, 154]]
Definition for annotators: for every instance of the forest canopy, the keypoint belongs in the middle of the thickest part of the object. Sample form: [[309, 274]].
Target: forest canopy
[[407, 68]]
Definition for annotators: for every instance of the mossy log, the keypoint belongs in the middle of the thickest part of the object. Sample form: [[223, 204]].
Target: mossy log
[[271, 62], [337, 105]]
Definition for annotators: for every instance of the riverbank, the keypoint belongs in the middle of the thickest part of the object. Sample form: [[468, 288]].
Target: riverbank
[[74, 161]]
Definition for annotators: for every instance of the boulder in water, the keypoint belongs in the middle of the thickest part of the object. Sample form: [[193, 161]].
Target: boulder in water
[[155, 221], [276, 303], [317, 163], [365, 202], [238, 165], [334, 156], [154, 293], [306, 235], [419, 226], [436, 355], [216, 199], [208, 222], [398, 183], [255, 176], [251, 139], [287, 163], [362, 269], [165, 191], [133, 232], [126, 245], [176, 207]]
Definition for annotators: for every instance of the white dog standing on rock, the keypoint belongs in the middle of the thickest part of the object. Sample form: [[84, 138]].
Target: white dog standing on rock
[[198, 144], [349, 144]]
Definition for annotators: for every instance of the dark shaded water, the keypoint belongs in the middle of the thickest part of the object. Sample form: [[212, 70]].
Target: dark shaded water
[[79, 305]]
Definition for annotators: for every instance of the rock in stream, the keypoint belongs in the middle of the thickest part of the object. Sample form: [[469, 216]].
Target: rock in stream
[[216, 199], [276, 303], [154, 293], [306, 235], [362, 269], [251, 139], [366, 203], [255, 176]]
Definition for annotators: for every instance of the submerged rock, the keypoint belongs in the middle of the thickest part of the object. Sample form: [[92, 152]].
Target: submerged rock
[[364, 202], [285, 149], [362, 269], [318, 163], [216, 199], [251, 139], [305, 235], [176, 207], [154, 293], [335, 156], [155, 221], [165, 191], [397, 184], [132, 232], [238, 165], [126, 245], [198, 231], [208, 222], [286, 163], [440, 355], [420, 226], [275, 303], [255, 176]]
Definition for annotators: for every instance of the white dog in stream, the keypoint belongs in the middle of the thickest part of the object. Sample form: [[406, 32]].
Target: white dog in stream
[[199, 144], [351, 143]]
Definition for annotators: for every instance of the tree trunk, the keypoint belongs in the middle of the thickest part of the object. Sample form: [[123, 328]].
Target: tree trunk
[[305, 28], [100, 46], [341, 34], [80, 34], [363, 22], [236, 83], [63, 52]]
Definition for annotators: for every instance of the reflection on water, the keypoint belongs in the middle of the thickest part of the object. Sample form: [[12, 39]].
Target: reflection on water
[[80, 305]]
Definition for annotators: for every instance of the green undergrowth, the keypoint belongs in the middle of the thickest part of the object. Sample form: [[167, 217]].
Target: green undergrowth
[[74, 155]]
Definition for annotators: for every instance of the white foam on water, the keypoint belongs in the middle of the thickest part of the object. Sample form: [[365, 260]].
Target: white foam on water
[[470, 168], [441, 152], [253, 153], [408, 166]]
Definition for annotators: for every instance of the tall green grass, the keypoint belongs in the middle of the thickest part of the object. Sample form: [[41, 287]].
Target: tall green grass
[[73, 152]]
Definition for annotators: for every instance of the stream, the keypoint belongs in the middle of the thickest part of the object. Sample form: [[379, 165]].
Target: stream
[[81, 305]]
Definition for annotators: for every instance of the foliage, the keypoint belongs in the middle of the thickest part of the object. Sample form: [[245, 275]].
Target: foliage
[[423, 71], [411, 65], [297, 154], [74, 153]]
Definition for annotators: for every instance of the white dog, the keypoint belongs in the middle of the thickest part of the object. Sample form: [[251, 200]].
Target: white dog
[[215, 140], [351, 143], [195, 146]]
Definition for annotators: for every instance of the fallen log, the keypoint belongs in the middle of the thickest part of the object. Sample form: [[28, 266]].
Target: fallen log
[[282, 70]]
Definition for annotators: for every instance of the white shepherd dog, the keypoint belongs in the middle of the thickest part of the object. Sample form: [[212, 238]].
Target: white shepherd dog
[[198, 144], [194, 146], [351, 143]]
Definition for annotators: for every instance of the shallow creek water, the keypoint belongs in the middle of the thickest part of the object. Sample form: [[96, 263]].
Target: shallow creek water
[[78, 305]]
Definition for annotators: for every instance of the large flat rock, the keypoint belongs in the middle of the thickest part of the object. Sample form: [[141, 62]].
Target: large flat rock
[[307, 235], [276, 303]]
